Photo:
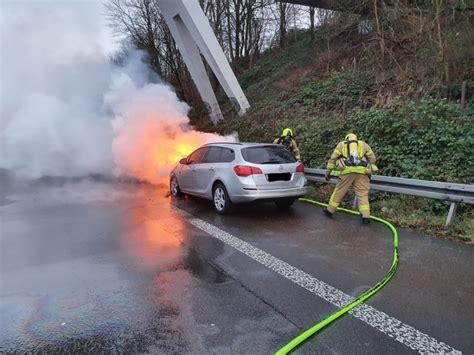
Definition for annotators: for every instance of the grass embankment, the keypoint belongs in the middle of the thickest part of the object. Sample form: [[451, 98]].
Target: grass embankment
[[425, 138], [420, 214]]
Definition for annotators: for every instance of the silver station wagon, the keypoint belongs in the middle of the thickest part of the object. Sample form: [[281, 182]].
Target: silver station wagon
[[230, 173]]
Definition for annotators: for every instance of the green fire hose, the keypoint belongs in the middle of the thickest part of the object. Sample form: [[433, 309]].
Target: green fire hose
[[366, 295]]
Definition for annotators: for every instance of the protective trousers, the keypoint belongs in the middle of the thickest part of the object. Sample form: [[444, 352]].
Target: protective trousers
[[361, 185]]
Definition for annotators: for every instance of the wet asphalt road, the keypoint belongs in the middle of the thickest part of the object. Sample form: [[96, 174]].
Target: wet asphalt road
[[100, 268]]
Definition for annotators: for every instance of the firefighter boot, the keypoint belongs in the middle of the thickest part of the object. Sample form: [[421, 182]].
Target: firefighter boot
[[327, 213]]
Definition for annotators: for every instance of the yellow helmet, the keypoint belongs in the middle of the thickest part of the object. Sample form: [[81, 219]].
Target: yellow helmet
[[287, 132], [350, 137]]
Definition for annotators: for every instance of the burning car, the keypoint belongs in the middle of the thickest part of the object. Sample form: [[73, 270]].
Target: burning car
[[231, 173]]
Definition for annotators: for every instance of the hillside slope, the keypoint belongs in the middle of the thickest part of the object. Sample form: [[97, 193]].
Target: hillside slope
[[419, 138], [425, 137]]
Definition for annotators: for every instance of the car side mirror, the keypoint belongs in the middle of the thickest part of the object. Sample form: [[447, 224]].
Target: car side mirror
[[184, 161]]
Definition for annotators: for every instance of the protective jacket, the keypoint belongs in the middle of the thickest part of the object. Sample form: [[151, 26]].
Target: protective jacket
[[289, 143], [352, 156]]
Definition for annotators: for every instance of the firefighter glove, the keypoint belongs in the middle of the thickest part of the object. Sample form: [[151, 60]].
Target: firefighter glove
[[327, 176]]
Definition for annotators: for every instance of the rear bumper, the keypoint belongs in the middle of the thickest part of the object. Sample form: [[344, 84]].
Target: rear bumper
[[249, 195]]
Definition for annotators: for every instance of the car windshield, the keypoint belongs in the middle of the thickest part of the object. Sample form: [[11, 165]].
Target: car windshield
[[268, 154]]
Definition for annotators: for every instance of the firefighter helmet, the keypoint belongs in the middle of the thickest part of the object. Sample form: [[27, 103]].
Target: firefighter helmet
[[350, 137], [287, 132]]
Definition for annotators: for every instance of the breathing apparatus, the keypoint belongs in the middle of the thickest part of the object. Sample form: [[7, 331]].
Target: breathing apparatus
[[286, 138], [352, 157]]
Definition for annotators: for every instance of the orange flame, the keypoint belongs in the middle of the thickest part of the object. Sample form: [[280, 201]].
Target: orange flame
[[151, 128], [150, 152]]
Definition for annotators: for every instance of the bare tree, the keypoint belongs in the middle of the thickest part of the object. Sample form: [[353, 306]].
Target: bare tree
[[138, 20], [282, 12], [311, 22]]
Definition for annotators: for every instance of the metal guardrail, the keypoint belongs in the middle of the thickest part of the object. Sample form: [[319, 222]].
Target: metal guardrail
[[445, 191]]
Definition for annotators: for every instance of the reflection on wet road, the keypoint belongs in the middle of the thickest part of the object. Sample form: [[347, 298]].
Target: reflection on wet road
[[101, 269], [98, 267]]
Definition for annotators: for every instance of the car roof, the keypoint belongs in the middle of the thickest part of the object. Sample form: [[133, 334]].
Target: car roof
[[222, 143], [242, 144]]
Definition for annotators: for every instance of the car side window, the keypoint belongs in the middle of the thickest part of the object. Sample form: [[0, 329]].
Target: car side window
[[219, 155], [227, 155], [214, 155], [197, 156]]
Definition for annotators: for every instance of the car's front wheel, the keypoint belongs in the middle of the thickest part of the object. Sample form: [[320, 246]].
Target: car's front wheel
[[221, 199], [174, 187]]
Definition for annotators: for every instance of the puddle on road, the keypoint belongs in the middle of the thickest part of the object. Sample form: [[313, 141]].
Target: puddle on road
[[202, 270], [156, 318], [137, 298], [59, 326]]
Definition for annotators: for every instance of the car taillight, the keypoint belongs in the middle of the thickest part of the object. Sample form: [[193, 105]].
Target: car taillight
[[300, 168], [243, 170]]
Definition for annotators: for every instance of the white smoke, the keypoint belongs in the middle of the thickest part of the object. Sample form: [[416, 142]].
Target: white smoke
[[66, 111], [151, 129], [54, 73]]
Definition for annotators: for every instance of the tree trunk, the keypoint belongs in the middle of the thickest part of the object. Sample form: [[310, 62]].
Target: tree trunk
[[438, 4], [238, 29], [229, 31], [311, 22], [282, 29], [379, 30]]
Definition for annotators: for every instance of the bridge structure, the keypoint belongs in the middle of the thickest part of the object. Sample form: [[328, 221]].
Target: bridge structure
[[356, 6], [195, 39]]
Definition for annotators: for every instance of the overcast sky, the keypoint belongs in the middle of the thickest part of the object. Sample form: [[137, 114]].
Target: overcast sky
[[81, 15]]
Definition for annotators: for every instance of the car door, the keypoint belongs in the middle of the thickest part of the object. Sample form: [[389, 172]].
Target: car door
[[216, 165], [187, 176], [202, 171], [207, 170]]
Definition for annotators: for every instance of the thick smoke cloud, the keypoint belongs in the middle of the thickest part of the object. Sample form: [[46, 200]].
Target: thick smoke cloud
[[66, 111], [151, 129], [54, 73]]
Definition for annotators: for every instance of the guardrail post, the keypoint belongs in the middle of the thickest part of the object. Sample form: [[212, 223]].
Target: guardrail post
[[354, 203], [451, 214]]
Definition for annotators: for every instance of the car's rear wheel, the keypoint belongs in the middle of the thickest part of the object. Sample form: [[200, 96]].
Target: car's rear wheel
[[284, 203], [174, 187], [221, 199]]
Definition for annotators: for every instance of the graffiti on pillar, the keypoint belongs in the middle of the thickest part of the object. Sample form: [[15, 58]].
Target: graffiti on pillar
[[217, 113], [235, 103], [207, 108], [214, 111]]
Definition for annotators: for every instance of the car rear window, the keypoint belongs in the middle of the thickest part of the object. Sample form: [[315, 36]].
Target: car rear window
[[268, 154]]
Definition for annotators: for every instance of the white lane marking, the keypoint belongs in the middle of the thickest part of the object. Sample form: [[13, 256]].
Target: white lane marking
[[392, 327]]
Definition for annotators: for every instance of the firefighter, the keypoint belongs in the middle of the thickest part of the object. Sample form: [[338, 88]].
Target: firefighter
[[288, 141], [356, 161]]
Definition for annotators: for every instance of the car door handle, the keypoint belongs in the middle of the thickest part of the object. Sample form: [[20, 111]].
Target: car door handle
[[211, 169]]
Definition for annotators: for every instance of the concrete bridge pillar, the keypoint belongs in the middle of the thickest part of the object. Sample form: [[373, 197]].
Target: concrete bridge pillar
[[194, 36]]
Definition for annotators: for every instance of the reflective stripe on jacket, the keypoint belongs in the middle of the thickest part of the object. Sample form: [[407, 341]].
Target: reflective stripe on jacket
[[363, 150]]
